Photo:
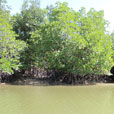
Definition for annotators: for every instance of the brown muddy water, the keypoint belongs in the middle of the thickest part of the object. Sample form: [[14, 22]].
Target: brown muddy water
[[97, 99]]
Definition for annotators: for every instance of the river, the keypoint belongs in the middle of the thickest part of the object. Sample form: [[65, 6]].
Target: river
[[98, 99]]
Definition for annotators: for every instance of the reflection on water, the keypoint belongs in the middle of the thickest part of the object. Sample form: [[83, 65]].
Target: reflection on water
[[57, 100]]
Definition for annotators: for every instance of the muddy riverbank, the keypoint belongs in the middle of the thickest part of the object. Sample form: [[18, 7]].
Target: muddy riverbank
[[43, 77]]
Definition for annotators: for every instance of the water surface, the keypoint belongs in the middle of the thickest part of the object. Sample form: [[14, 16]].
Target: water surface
[[57, 99]]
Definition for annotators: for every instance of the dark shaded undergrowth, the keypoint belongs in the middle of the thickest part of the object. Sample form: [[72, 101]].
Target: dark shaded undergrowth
[[53, 77]]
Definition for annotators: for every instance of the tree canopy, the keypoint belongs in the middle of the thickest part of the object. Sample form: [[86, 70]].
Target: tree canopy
[[9, 46], [57, 38], [29, 19], [76, 42]]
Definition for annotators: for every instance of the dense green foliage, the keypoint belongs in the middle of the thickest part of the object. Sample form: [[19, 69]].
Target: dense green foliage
[[58, 38], [29, 20], [73, 41], [9, 46]]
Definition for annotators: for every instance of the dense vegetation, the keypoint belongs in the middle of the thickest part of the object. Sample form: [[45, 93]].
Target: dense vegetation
[[10, 48], [55, 38]]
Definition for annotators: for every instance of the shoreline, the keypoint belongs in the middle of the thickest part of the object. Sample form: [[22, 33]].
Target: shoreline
[[56, 78], [59, 85]]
